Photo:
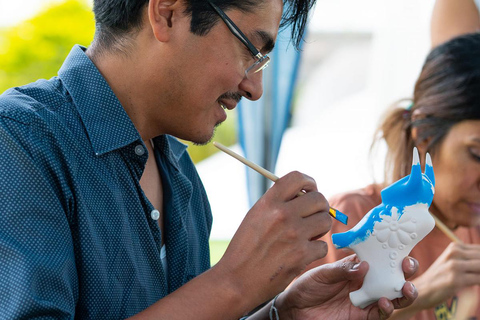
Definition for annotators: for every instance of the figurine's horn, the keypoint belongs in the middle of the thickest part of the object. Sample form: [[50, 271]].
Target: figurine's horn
[[429, 169], [416, 173]]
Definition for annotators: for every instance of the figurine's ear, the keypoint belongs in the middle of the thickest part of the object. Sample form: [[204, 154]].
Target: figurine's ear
[[416, 172], [429, 169], [416, 157]]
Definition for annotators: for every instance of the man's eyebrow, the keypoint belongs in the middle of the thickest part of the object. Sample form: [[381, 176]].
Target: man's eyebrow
[[266, 39]]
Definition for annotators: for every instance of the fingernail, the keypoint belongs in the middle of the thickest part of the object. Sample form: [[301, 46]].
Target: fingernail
[[356, 266], [413, 288], [412, 263]]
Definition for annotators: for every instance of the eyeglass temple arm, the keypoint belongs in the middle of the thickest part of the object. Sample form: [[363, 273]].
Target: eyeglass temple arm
[[234, 29]]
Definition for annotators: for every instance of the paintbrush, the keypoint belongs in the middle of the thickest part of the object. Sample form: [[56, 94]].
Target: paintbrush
[[267, 174], [443, 227]]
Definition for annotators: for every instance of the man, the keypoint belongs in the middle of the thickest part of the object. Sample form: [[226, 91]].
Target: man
[[102, 212]]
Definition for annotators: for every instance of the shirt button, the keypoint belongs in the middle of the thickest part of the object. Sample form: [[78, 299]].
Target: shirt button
[[139, 150], [155, 214]]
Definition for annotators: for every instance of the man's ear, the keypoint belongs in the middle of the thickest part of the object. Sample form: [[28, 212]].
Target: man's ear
[[160, 16]]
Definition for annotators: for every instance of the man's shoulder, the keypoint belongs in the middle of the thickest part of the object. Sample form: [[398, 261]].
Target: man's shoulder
[[25, 103]]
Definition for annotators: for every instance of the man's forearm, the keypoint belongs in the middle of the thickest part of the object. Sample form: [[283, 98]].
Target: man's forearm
[[212, 295]]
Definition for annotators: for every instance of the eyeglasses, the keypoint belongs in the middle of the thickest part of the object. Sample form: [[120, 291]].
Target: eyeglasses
[[261, 61]]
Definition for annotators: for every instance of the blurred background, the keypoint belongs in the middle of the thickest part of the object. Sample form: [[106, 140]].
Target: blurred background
[[359, 57]]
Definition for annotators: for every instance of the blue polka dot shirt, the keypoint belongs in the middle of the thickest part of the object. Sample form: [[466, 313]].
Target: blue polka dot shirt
[[78, 238]]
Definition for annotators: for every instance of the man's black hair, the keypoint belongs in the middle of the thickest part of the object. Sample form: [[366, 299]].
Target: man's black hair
[[117, 20]]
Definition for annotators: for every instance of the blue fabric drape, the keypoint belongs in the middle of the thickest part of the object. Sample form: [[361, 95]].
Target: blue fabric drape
[[261, 123]]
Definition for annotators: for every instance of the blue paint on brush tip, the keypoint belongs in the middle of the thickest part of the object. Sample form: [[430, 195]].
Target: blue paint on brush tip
[[343, 218]]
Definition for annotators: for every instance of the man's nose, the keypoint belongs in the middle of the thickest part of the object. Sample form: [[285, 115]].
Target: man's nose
[[252, 86]]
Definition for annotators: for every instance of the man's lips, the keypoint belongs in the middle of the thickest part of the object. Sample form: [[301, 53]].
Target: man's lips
[[229, 100], [227, 104]]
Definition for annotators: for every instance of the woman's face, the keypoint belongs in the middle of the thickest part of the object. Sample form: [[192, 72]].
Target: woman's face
[[457, 174]]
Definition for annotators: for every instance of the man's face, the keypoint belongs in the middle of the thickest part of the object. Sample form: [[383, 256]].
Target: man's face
[[208, 73]]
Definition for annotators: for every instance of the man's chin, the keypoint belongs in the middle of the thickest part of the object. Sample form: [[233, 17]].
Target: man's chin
[[207, 139]]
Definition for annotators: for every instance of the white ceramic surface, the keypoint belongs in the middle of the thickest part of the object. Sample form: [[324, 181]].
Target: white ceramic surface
[[388, 233]]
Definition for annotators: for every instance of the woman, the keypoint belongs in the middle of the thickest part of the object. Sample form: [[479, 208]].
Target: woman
[[452, 18], [443, 119]]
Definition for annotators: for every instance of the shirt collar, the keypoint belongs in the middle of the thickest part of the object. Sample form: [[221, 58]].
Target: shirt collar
[[171, 148], [108, 125]]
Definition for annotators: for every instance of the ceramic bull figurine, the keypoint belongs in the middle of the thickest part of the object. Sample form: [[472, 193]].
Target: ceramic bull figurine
[[388, 233]]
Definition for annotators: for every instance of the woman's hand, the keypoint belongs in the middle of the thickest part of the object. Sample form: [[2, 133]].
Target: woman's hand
[[458, 267]]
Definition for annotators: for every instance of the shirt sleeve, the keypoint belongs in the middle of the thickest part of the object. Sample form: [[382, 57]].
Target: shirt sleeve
[[37, 264]]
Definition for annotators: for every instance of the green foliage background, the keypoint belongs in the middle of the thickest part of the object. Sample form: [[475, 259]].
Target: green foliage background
[[36, 48]]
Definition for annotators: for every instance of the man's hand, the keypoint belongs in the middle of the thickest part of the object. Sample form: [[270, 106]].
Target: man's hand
[[277, 239], [323, 293]]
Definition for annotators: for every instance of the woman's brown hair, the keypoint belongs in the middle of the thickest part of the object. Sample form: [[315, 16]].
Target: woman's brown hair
[[446, 93]]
